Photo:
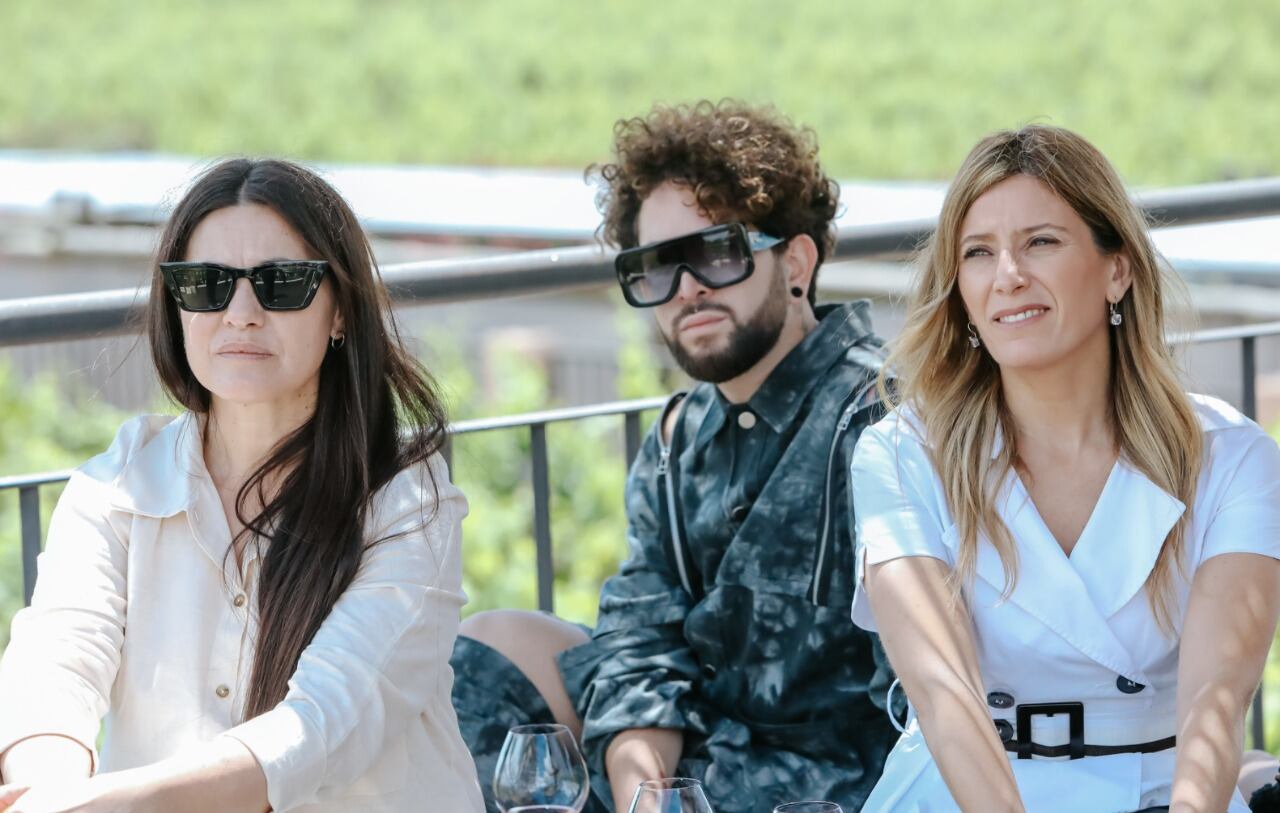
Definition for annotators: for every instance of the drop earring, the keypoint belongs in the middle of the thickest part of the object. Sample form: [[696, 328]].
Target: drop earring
[[974, 341], [1116, 318]]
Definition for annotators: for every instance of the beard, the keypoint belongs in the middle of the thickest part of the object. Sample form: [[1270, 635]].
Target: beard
[[749, 341]]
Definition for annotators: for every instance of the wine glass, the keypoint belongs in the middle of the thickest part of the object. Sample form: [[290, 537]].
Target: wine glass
[[670, 796], [540, 770], [808, 807]]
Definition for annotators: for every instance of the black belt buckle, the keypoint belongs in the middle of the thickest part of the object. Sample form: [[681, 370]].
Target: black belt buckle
[[1075, 724]]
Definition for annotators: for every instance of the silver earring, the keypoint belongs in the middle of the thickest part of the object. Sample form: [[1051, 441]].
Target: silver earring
[[336, 342], [1116, 318], [974, 341]]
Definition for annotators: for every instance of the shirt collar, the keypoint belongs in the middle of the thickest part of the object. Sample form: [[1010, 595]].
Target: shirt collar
[[160, 479], [839, 327], [779, 398]]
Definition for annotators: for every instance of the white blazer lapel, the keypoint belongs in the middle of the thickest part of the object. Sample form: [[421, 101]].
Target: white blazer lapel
[[1048, 587], [1120, 544]]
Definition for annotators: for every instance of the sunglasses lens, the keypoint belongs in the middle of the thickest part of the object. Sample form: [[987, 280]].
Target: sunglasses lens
[[645, 279], [716, 256], [199, 287], [286, 286], [723, 261]]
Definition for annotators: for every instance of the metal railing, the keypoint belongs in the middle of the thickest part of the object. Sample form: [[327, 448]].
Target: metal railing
[[33, 320], [536, 423], [32, 534]]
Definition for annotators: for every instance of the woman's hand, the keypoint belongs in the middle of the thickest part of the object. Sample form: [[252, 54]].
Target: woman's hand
[[9, 794], [104, 793]]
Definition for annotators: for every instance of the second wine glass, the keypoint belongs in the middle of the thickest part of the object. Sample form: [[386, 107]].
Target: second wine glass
[[670, 796], [540, 770]]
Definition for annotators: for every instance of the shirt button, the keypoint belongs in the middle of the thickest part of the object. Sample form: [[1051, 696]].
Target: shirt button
[[1000, 700], [222, 691], [1128, 686], [739, 512], [708, 670], [1005, 729], [746, 420], [240, 600]]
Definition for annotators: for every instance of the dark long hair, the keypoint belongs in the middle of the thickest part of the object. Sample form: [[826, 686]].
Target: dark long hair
[[377, 412]]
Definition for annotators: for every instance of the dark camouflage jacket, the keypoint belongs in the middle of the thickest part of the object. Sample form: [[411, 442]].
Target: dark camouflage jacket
[[739, 633]]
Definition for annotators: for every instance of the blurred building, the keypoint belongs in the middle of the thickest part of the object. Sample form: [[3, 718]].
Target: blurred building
[[71, 223]]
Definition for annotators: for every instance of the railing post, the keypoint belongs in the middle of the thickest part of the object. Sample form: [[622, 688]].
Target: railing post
[[1249, 406], [446, 451], [542, 517], [631, 428], [29, 510]]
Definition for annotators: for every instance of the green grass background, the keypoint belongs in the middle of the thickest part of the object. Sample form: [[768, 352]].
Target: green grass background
[[1173, 91]]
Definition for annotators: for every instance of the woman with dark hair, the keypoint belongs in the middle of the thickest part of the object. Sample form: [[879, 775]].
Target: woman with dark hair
[[261, 594]]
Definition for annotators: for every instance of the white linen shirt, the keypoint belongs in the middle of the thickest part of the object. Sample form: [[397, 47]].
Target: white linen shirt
[[140, 615], [1075, 628]]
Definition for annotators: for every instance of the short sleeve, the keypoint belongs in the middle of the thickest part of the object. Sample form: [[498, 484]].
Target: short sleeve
[[1246, 518], [894, 513]]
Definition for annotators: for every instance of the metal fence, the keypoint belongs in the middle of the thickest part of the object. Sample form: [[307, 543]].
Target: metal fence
[[535, 423]]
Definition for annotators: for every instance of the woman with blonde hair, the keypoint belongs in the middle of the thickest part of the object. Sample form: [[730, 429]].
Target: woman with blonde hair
[[1071, 562]]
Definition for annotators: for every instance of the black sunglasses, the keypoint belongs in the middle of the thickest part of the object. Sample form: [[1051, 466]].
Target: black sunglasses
[[717, 257], [280, 285]]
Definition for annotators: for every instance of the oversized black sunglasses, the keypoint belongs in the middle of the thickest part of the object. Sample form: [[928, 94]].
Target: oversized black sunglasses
[[717, 257], [280, 285]]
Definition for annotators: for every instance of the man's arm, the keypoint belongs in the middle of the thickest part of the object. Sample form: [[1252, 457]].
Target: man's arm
[[638, 668]]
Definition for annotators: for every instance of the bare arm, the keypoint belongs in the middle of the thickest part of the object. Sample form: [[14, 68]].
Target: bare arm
[[1231, 618], [930, 643], [640, 754], [45, 757], [220, 777]]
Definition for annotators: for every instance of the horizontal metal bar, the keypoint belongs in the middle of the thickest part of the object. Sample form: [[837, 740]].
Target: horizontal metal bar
[[556, 415], [67, 317], [41, 479], [1211, 202], [524, 419], [1226, 334]]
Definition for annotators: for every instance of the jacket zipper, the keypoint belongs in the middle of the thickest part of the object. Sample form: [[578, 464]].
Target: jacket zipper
[[842, 425], [677, 544]]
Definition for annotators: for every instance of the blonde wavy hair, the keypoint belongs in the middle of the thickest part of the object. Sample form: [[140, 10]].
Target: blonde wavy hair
[[955, 390]]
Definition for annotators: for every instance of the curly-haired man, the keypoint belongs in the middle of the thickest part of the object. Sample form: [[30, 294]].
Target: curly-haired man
[[723, 649]]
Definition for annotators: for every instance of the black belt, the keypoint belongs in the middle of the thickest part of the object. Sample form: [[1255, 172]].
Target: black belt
[[1019, 741]]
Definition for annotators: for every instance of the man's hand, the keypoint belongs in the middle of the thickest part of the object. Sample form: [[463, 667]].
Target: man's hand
[[638, 755]]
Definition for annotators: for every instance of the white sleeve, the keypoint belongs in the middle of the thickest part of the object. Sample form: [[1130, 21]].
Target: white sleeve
[[892, 517], [1247, 515], [64, 651], [379, 661]]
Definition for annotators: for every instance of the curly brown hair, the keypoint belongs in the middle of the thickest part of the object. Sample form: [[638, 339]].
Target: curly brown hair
[[742, 162]]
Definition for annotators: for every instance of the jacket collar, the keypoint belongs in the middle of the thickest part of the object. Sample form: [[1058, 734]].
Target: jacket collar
[[780, 397], [1074, 596], [161, 478]]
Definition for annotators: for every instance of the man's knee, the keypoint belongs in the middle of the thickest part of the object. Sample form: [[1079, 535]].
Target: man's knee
[[516, 631]]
